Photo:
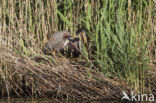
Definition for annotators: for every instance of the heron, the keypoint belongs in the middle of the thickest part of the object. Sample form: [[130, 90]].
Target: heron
[[57, 42]]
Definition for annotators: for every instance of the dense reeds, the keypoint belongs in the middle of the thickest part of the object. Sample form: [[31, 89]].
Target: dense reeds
[[120, 32]]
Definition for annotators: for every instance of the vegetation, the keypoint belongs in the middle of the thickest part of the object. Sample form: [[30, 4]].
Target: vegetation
[[121, 33]]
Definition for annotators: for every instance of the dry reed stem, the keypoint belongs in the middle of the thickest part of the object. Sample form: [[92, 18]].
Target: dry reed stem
[[63, 80]]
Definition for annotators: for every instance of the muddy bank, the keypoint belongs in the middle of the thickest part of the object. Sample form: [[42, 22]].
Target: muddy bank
[[25, 77], [22, 76]]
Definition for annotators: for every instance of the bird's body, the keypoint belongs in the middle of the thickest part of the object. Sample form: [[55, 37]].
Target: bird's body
[[57, 41]]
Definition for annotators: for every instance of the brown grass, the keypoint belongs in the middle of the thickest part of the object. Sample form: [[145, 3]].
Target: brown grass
[[23, 76], [26, 71]]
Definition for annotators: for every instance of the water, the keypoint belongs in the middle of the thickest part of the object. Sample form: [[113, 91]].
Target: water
[[26, 100], [44, 100]]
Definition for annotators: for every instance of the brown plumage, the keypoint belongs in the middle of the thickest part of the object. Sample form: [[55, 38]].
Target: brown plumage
[[58, 41]]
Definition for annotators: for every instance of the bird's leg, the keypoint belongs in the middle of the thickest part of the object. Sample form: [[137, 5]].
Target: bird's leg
[[60, 54], [54, 54]]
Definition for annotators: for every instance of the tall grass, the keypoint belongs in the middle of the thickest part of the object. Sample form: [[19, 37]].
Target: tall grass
[[119, 31]]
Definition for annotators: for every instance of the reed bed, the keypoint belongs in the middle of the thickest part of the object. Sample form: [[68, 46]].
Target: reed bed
[[24, 77], [121, 42]]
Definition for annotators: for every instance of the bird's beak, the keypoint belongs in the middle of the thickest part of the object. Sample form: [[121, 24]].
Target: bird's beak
[[74, 39], [71, 38]]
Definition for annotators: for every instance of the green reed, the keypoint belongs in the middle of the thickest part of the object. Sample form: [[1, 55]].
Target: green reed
[[118, 30]]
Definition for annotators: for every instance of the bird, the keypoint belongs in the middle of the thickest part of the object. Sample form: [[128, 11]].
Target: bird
[[58, 41], [75, 46], [61, 39]]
